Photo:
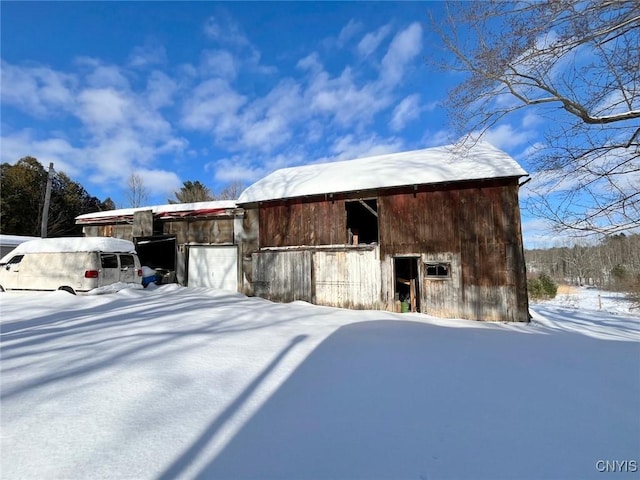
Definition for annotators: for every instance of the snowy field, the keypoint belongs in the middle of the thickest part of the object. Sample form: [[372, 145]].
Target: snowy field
[[191, 383]]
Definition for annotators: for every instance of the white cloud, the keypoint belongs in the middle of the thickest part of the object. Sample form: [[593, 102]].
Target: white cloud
[[160, 181], [102, 109], [404, 48], [407, 110], [219, 63], [236, 168], [225, 30], [268, 122], [160, 90], [349, 147], [146, 55], [507, 137], [64, 156], [213, 105], [107, 76], [348, 32], [311, 62], [531, 120], [348, 103], [438, 138], [371, 41], [36, 90]]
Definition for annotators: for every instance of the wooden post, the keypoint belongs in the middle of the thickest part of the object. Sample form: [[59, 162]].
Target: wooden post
[[47, 200]]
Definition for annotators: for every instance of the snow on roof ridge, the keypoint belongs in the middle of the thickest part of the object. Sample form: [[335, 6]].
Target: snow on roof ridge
[[168, 208], [456, 162]]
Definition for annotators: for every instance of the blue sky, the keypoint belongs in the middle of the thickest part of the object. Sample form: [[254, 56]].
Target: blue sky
[[223, 92]]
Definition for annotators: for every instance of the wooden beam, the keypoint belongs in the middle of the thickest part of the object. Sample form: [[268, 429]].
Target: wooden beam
[[368, 207]]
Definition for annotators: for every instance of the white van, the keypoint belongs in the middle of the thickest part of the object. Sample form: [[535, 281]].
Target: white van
[[73, 264]]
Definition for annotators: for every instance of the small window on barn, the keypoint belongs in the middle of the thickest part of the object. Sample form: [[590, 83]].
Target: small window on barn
[[362, 221], [437, 270]]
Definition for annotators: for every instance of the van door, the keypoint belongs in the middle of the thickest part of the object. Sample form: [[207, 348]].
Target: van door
[[128, 270], [109, 269], [10, 273]]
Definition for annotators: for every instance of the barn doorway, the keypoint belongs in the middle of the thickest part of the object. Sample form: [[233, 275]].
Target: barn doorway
[[157, 252], [407, 281]]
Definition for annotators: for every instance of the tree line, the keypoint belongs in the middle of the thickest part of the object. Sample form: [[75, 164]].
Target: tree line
[[22, 192], [613, 263], [22, 197]]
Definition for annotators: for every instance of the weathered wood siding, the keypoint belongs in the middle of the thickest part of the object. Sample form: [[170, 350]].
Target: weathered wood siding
[[480, 225], [323, 222], [143, 223], [283, 276], [474, 226], [123, 231], [347, 278], [200, 231]]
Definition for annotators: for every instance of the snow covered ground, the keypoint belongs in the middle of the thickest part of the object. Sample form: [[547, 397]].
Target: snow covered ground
[[191, 383]]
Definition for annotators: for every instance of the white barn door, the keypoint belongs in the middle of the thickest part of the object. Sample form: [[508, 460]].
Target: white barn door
[[213, 267]]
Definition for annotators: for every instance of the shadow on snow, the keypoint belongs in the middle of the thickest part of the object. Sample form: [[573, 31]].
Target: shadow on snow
[[396, 399]]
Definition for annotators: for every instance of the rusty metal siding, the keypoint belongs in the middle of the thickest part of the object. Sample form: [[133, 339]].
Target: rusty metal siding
[[284, 224], [283, 276], [347, 278]]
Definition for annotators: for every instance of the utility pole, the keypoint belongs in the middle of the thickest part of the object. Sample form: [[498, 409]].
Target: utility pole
[[47, 200]]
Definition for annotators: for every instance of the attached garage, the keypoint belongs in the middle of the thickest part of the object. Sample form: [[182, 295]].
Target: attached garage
[[213, 266]]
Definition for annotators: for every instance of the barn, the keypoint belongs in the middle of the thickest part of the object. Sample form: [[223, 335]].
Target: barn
[[193, 244], [436, 231]]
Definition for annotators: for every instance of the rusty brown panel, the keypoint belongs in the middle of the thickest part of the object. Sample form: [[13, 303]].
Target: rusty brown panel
[[302, 223], [105, 231]]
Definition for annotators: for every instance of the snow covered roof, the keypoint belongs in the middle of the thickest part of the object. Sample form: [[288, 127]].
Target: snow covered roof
[[13, 240], [163, 211], [73, 244], [431, 165]]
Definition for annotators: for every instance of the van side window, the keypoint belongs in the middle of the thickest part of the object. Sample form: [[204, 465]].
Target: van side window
[[126, 261], [14, 261], [109, 260]]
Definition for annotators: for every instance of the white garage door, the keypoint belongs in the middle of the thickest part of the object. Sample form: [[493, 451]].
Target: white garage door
[[213, 267]]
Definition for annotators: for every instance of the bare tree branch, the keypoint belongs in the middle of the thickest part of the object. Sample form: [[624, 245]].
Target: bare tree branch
[[580, 55]]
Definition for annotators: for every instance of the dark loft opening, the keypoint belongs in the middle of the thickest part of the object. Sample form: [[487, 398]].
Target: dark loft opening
[[362, 221], [157, 252]]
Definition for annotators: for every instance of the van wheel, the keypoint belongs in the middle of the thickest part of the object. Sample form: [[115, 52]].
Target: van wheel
[[68, 289]]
